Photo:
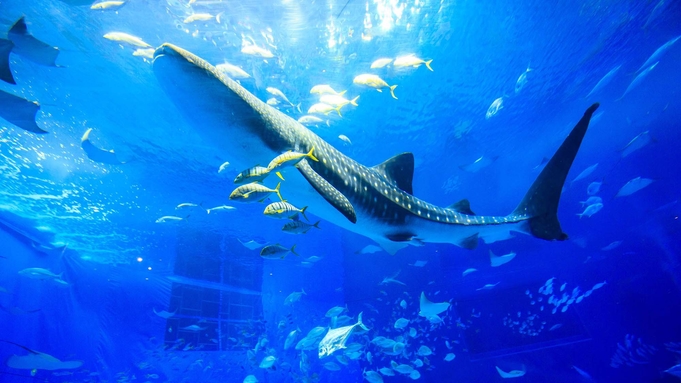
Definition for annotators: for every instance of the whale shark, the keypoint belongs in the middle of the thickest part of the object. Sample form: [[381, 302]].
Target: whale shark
[[376, 202]]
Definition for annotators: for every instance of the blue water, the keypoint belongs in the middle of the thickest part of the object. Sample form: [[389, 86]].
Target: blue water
[[94, 223]]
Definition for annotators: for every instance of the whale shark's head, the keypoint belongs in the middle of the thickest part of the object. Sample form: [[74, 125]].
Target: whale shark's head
[[216, 106]]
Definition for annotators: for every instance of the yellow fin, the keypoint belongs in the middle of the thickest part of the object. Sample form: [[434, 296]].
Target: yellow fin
[[311, 156], [428, 64], [277, 191], [392, 91], [280, 176], [354, 101]]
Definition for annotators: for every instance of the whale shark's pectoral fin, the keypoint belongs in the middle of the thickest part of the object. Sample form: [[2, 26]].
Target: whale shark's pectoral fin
[[326, 190], [398, 170], [470, 242]]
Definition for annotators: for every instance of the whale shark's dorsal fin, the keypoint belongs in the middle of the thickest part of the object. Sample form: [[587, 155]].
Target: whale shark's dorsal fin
[[326, 190], [463, 207], [398, 170]]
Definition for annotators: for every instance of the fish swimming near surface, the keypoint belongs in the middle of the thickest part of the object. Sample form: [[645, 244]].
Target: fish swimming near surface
[[591, 210], [674, 370], [325, 89], [335, 339], [637, 80], [636, 143], [655, 57], [522, 80], [594, 188], [122, 37], [220, 208], [169, 218], [29, 47], [612, 246], [494, 108], [488, 286], [20, 112], [380, 63], [376, 202], [39, 273], [591, 200], [468, 271], [232, 71], [103, 5], [633, 186], [96, 154], [585, 173], [605, 80]]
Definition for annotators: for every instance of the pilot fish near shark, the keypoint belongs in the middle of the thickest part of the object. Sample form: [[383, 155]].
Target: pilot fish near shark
[[376, 202]]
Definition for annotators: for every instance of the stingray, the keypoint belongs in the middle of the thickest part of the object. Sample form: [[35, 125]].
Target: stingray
[[19, 112], [511, 374], [32, 49], [498, 260], [96, 154], [430, 309], [5, 73], [252, 245], [164, 314], [39, 361]]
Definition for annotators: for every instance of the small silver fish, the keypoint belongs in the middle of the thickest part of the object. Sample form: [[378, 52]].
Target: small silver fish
[[169, 218]]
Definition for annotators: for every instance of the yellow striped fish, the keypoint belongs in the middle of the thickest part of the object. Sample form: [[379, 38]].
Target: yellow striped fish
[[253, 192], [283, 210], [254, 174], [290, 158]]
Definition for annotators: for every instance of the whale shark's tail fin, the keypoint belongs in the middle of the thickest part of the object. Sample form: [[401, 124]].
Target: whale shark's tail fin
[[541, 201]]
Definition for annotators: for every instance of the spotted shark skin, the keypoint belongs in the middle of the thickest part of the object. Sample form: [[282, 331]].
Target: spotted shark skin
[[376, 202]]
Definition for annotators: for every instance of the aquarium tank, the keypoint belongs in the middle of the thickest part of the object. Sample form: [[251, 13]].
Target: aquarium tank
[[340, 191]]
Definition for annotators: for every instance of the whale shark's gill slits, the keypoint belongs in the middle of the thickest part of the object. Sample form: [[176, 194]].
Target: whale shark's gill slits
[[540, 204]]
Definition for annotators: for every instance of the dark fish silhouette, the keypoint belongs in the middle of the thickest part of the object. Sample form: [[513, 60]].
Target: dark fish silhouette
[[27, 46], [96, 154], [5, 73], [20, 112]]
